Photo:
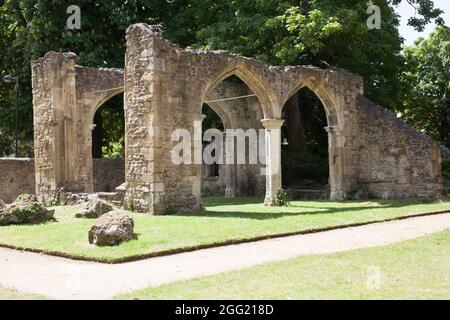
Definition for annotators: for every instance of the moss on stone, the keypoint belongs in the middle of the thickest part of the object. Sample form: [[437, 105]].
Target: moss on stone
[[31, 212]]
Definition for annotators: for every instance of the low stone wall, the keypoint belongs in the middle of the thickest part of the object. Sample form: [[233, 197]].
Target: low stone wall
[[108, 174], [213, 185], [16, 177]]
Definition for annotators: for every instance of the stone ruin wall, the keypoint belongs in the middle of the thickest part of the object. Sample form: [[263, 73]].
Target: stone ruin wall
[[164, 89], [242, 114], [108, 174], [94, 86], [395, 160], [177, 80], [18, 176], [65, 98]]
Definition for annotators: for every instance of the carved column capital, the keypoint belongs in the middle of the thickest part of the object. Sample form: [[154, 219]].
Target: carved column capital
[[198, 117], [272, 123]]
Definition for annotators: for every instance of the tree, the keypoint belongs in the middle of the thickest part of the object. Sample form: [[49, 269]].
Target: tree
[[426, 81], [318, 32], [425, 13], [30, 28]]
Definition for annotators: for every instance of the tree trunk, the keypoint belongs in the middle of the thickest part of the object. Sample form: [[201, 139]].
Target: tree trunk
[[97, 136], [293, 122]]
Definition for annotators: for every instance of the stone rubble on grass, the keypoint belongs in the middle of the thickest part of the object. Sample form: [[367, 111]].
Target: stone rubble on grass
[[62, 197], [25, 209], [111, 229], [93, 209]]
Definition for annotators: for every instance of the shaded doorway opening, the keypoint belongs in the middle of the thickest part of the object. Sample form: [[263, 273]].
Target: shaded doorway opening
[[213, 175], [108, 145], [239, 108], [304, 147]]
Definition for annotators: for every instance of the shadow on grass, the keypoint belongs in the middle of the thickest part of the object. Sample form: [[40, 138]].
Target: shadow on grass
[[235, 212], [222, 201], [135, 236], [29, 224], [276, 215]]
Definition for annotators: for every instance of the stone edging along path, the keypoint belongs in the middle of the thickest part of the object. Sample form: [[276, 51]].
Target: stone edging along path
[[213, 244]]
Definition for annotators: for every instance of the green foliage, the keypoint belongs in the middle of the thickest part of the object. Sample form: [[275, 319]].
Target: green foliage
[[114, 150], [30, 28], [303, 166], [24, 197], [171, 211], [281, 199], [426, 83], [446, 175], [351, 194], [425, 13], [358, 191], [110, 120], [206, 192], [183, 94], [278, 32]]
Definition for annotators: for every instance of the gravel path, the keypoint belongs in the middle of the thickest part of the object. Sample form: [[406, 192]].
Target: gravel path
[[62, 278]]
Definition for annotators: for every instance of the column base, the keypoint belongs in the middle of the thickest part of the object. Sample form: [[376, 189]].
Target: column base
[[268, 201], [337, 195], [229, 193]]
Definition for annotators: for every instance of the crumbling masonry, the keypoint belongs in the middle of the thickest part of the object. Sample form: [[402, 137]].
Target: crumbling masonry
[[164, 89]]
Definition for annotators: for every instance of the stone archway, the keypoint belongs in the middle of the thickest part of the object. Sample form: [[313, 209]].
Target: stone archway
[[262, 90], [164, 88], [108, 142], [65, 98], [334, 129], [239, 109]]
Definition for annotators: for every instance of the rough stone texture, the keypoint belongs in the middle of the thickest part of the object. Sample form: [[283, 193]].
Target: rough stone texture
[[65, 99], [111, 229], [25, 210], [406, 163], [93, 209], [243, 179], [62, 197], [108, 174], [213, 185], [164, 89], [16, 177]]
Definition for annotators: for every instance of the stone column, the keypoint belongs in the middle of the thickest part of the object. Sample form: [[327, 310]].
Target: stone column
[[198, 159], [53, 82], [273, 158], [87, 153], [335, 145], [230, 164]]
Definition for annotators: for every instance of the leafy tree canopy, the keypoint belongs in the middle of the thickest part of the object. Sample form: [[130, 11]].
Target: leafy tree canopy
[[426, 81], [319, 32]]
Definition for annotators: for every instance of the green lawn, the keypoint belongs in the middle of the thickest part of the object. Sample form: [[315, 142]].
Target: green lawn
[[222, 220], [414, 269], [12, 294]]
